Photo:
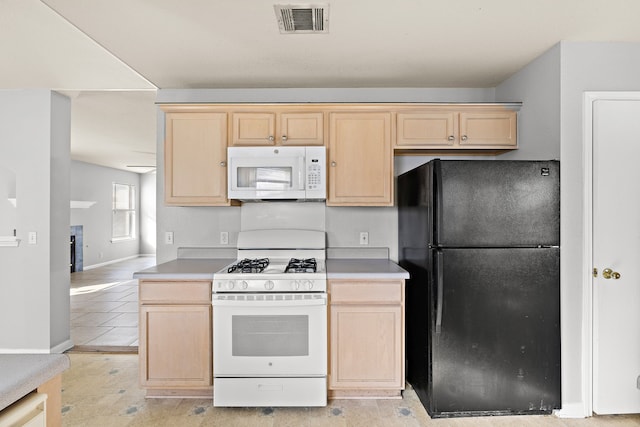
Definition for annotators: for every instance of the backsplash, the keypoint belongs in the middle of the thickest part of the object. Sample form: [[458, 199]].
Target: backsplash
[[285, 215]]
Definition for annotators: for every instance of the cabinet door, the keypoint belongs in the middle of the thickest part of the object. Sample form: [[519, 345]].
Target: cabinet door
[[195, 155], [175, 346], [492, 129], [360, 159], [253, 129], [366, 347], [301, 129], [426, 129]]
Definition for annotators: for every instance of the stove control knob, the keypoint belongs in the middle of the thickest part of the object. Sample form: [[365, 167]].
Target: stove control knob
[[295, 285], [307, 285], [231, 284], [244, 285], [268, 285]]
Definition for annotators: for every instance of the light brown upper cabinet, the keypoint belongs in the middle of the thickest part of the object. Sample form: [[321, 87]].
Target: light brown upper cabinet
[[195, 159], [441, 129], [360, 159], [277, 128]]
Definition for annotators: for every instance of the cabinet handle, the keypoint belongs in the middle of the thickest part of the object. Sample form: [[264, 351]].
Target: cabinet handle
[[464, 137], [451, 138], [334, 164], [271, 138], [284, 137], [223, 164]]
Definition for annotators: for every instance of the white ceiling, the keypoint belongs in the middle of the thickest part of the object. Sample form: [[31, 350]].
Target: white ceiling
[[109, 56]]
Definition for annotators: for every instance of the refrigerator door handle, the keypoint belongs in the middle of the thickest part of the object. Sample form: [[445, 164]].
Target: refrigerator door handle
[[437, 202], [439, 299]]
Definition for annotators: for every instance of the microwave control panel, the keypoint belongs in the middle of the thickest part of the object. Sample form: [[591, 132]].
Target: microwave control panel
[[315, 159]]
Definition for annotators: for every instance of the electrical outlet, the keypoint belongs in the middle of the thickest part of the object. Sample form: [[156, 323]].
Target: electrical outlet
[[224, 237], [168, 237], [364, 238], [33, 238]]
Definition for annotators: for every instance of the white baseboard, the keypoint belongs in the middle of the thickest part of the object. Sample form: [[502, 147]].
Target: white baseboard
[[113, 261], [572, 410], [62, 347]]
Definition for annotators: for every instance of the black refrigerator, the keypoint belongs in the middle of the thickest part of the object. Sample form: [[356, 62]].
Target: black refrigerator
[[480, 239]]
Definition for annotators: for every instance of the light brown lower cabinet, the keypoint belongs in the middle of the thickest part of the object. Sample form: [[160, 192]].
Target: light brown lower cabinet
[[175, 344], [366, 319]]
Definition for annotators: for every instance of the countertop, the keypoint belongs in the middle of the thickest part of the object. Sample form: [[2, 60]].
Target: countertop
[[20, 374], [337, 268], [184, 269], [358, 268]]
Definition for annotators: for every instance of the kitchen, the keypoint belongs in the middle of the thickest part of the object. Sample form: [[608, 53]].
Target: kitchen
[[551, 128]]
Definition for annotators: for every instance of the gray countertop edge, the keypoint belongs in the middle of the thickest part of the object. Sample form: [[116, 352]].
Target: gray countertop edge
[[364, 269], [184, 269], [20, 374]]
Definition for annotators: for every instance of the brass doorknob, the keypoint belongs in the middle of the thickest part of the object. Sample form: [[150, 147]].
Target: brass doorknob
[[608, 273]]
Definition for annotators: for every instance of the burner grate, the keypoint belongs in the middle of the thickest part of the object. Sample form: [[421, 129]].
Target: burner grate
[[256, 265], [308, 265]]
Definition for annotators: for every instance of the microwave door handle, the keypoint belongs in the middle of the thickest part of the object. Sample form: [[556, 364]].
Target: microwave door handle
[[302, 176]]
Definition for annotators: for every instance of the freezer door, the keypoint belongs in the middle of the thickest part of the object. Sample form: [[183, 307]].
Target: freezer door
[[493, 203], [496, 348]]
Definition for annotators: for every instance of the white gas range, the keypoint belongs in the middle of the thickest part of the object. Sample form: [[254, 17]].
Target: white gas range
[[270, 321]]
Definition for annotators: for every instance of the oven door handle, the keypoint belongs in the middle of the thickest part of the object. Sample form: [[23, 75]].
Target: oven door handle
[[269, 303]]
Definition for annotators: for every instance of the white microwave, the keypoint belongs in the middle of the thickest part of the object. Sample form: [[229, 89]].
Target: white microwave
[[264, 173]]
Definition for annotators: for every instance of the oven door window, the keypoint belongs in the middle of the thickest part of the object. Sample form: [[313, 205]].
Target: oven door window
[[274, 335]]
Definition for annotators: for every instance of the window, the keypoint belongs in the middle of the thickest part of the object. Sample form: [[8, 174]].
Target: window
[[123, 225]]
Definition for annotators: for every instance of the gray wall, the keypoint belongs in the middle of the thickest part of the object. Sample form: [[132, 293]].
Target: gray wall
[[94, 183], [201, 226], [34, 285], [585, 67], [148, 213], [552, 89]]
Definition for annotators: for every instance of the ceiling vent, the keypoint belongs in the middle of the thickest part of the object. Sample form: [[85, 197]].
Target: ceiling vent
[[299, 19]]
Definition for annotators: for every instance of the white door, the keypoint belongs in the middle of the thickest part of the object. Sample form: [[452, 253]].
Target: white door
[[616, 256]]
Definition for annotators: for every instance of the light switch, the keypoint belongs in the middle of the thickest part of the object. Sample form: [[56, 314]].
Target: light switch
[[168, 237], [33, 238]]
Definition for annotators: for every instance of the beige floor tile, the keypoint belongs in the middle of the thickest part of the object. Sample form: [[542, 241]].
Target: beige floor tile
[[121, 336], [102, 390], [93, 319], [127, 307], [97, 306], [80, 335], [122, 319], [107, 289]]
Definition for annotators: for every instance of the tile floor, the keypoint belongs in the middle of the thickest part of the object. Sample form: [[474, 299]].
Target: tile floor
[[102, 390], [104, 304]]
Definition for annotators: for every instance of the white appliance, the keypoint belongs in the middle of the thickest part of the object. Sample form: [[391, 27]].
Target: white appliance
[[262, 173], [270, 321]]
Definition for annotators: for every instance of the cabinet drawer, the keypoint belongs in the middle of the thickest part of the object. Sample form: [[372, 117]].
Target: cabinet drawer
[[366, 291], [175, 291]]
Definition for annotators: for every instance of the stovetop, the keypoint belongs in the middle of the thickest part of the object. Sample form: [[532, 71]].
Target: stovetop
[[272, 275], [276, 261], [263, 265]]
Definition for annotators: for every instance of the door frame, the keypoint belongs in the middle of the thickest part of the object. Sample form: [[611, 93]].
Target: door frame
[[589, 98]]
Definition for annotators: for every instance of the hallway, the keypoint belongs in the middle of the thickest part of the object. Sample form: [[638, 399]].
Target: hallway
[[104, 305]]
